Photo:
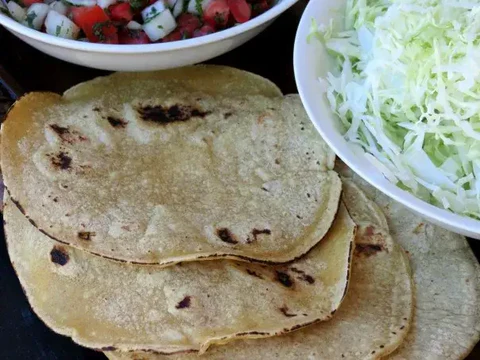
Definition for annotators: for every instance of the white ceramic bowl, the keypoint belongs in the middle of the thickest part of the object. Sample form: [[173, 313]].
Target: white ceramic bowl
[[150, 56], [311, 61]]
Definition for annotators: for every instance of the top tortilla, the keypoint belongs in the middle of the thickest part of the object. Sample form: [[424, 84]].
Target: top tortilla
[[112, 173]]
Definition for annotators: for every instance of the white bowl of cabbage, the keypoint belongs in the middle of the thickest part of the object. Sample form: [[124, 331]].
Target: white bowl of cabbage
[[138, 35], [394, 88]]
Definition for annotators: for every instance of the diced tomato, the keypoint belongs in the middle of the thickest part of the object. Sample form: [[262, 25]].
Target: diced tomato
[[188, 23], [127, 36], [95, 24], [240, 9], [27, 3], [216, 13], [259, 8], [204, 30], [173, 36], [121, 12]]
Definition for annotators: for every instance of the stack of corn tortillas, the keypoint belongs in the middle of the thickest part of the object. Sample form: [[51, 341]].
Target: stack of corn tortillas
[[196, 213]]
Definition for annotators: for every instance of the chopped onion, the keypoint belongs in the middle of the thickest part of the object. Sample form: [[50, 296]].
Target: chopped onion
[[178, 8], [153, 11], [171, 3], [133, 25], [36, 15], [59, 25], [197, 7], [17, 12], [105, 3], [59, 7], [160, 26]]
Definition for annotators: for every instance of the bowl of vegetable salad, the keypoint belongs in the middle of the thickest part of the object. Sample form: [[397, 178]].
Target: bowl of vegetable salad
[[393, 86], [138, 35]]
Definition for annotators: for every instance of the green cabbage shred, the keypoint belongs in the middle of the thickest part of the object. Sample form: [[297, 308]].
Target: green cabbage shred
[[407, 89]]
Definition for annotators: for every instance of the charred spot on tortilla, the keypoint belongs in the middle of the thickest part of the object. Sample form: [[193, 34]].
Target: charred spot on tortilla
[[368, 249], [108, 348], [184, 303], [67, 135], [303, 276], [116, 122], [419, 228], [284, 279], [252, 333], [86, 235], [58, 255], [227, 114], [164, 115], [60, 130], [61, 160], [253, 273], [226, 236], [284, 310], [255, 233]]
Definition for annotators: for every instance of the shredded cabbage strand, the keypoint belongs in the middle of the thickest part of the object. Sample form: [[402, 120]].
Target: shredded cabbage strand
[[407, 90]]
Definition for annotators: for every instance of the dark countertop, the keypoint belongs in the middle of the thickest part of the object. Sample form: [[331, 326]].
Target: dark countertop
[[22, 335]]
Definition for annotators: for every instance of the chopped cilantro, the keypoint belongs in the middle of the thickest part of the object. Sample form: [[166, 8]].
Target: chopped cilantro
[[4, 11], [98, 29], [58, 30], [69, 3], [198, 7], [137, 4], [219, 19], [150, 16], [160, 27], [30, 17]]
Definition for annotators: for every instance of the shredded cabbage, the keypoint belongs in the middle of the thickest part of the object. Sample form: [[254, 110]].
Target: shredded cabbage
[[407, 90]]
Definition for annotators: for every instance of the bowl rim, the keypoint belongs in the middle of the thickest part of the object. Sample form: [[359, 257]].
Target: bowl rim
[[270, 14], [301, 73]]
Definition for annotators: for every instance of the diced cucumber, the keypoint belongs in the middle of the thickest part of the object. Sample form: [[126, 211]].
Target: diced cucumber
[[153, 11], [36, 14], [160, 26], [59, 7], [59, 25], [17, 12]]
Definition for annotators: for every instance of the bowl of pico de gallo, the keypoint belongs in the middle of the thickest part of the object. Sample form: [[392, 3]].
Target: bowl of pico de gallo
[[138, 35]]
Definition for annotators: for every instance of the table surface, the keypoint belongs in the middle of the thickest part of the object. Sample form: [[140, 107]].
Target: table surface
[[22, 335]]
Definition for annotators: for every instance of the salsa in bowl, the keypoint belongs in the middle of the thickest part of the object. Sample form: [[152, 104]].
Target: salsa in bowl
[[134, 21], [146, 57]]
